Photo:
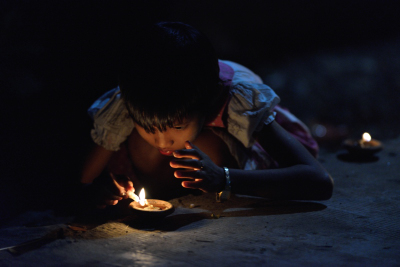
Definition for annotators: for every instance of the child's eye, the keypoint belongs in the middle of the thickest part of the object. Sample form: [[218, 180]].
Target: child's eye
[[180, 127]]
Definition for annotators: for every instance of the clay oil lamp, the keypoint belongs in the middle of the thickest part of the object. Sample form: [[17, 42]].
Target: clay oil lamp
[[150, 208], [365, 147]]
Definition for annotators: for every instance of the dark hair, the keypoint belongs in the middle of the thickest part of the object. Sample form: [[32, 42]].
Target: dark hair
[[168, 72]]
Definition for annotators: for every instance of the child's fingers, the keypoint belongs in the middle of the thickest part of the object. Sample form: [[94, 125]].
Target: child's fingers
[[108, 196], [196, 184], [186, 153], [191, 151], [188, 174], [111, 196], [106, 203], [117, 189], [128, 185], [187, 164], [107, 199], [111, 202], [188, 145], [125, 182]]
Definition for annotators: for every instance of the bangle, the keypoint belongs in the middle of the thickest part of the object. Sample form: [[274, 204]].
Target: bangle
[[226, 193]]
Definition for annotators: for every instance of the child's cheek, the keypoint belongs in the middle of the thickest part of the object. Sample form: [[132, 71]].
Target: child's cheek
[[193, 135]]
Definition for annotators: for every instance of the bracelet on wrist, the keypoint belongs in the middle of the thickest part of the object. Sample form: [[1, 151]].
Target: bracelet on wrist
[[226, 193]]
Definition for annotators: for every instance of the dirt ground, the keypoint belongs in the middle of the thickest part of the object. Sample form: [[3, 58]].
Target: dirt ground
[[358, 226]]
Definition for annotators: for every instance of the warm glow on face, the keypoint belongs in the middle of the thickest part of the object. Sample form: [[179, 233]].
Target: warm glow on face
[[173, 138], [366, 137], [142, 197]]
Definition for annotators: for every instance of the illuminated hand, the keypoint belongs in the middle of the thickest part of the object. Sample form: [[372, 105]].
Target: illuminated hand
[[206, 175], [108, 190]]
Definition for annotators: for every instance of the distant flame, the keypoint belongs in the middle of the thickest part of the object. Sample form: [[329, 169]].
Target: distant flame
[[142, 197], [366, 137]]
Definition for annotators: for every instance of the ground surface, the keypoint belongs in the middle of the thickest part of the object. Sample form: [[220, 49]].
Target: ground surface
[[358, 226]]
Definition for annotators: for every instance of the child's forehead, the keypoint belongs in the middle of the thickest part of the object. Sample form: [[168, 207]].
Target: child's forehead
[[184, 120]]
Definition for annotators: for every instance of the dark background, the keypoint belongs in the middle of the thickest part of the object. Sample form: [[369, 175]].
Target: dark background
[[334, 63]]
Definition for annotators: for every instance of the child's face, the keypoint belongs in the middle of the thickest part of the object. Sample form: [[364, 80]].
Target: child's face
[[173, 138]]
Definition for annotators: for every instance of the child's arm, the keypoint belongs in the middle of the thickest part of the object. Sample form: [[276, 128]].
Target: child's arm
[[95, 164], [299, 176], [106, 189]]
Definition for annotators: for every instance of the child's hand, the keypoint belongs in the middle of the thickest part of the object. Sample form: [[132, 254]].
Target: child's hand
[[108, 190], [206, 175]]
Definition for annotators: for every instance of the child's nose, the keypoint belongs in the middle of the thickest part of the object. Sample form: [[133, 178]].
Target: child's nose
[[163, 140]]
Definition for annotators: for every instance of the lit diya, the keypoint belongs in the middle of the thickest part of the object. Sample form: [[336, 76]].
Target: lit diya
[[365, 147], [149, 208]]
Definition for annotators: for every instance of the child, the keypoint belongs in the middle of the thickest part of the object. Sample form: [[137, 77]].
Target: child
[[181, 119]]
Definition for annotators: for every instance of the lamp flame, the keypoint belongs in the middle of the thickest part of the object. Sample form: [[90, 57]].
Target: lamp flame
[[142, 197], [366, 137]]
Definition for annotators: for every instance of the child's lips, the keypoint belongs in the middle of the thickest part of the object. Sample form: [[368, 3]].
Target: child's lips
[[166, 152]]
